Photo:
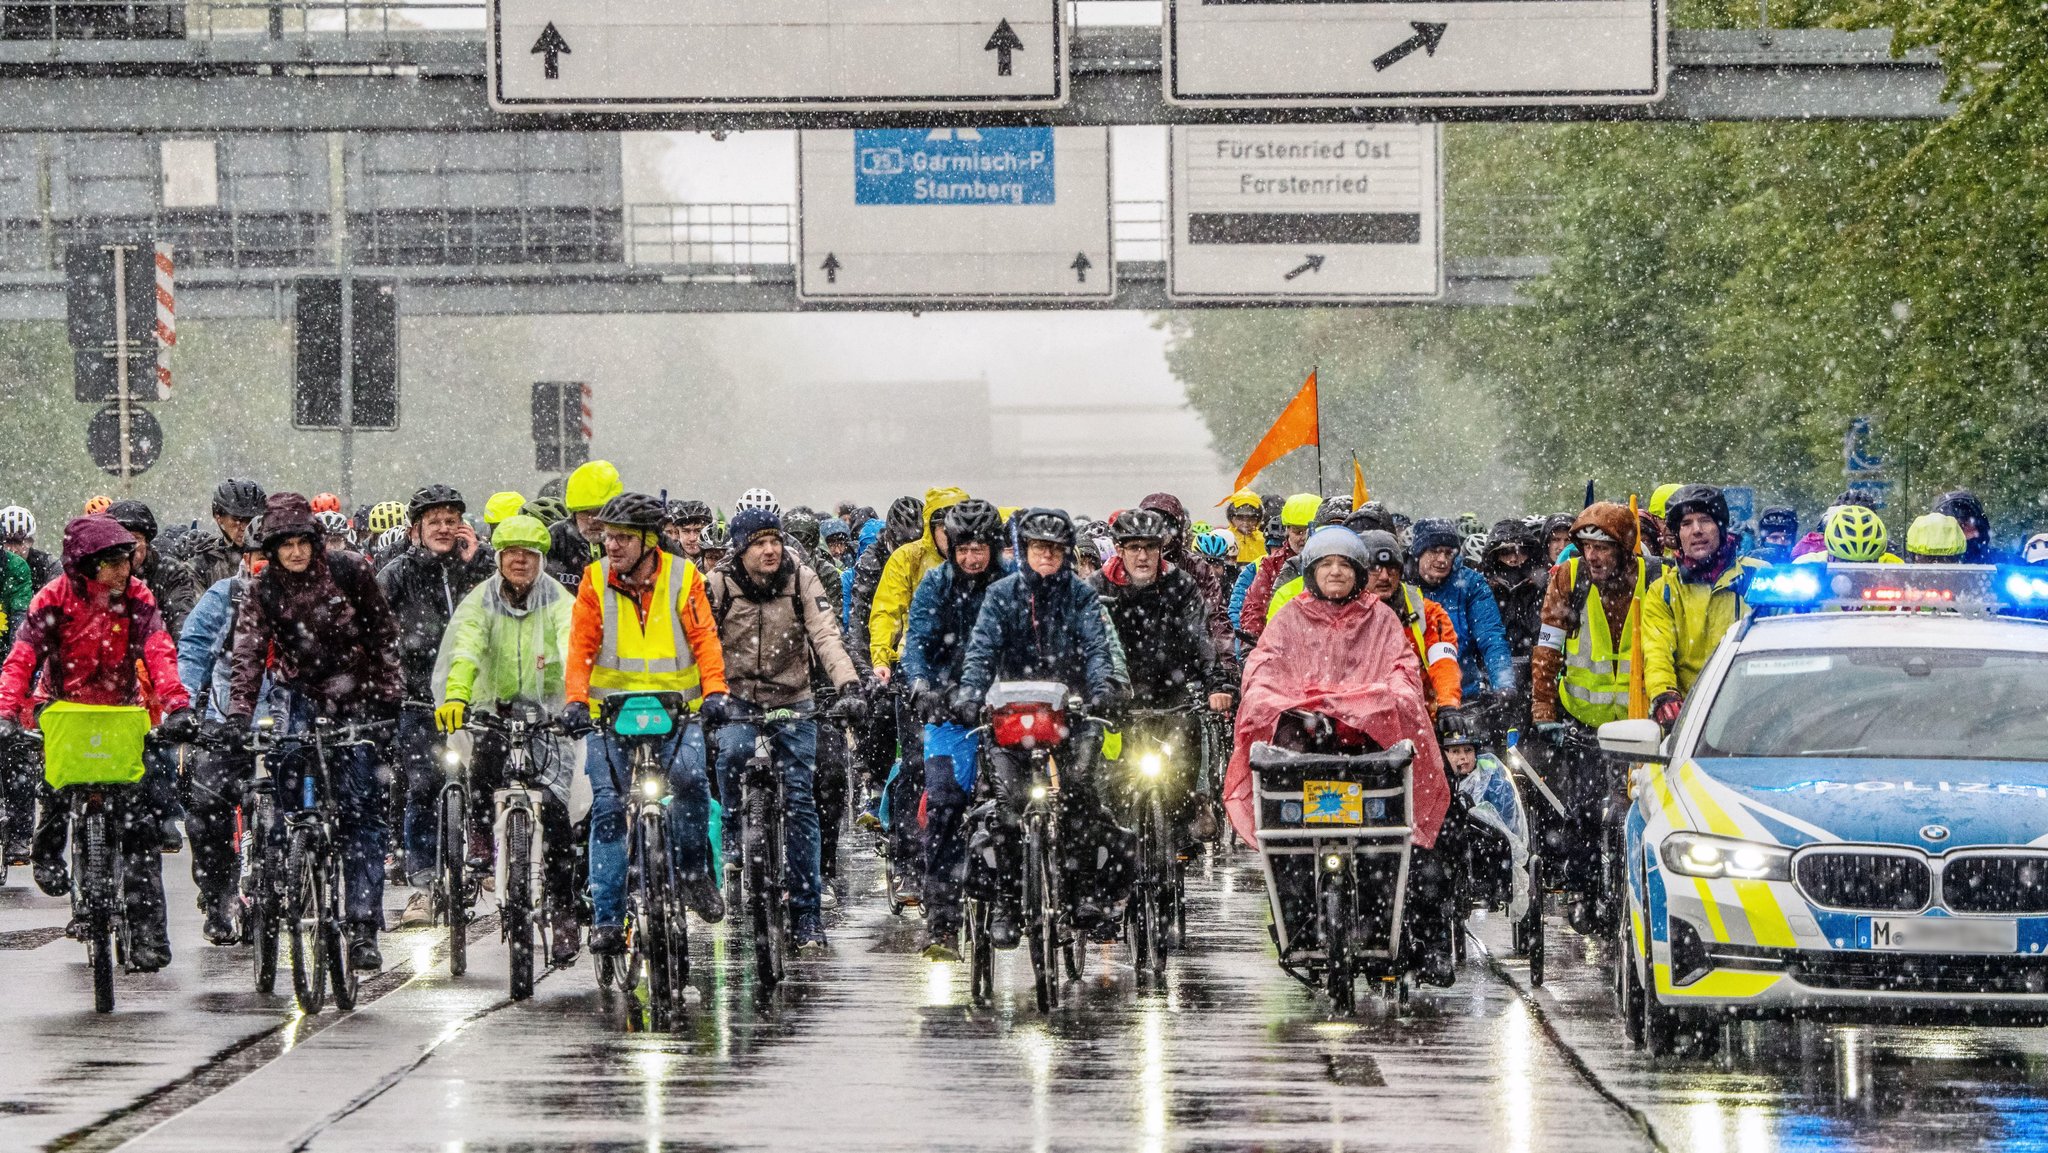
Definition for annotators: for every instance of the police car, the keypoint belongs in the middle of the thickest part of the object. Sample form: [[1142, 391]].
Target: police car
[[1850, 817]]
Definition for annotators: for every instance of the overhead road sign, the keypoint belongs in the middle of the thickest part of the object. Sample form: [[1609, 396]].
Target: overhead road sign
[[1337, 213], [1305, 53], [776, 55], [954, 215]]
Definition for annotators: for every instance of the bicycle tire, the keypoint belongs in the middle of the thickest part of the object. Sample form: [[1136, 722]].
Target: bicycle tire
[[341, 969], [651, 901], [262, 903], [1339, 980], [99, 938], [1157, 895], [516, 905], [981, 983], [454, 841], [302, 921], [1038, 927], [755, 835]]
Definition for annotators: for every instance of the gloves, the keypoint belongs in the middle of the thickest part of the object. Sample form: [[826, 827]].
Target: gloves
[[1665, 708], [576, 719], [9, 728], [926, 703], [852, 708], [180, 727], [713, 710], [965, 705], [449, 717], [1106, 702]]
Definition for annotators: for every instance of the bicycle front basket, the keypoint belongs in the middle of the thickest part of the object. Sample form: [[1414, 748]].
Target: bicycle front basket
[[92, 744], [644, 715]]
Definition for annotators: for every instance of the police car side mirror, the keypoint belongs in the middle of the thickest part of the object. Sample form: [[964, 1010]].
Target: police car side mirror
[[1636, 740]]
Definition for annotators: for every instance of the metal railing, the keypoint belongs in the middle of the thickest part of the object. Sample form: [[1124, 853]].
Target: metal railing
[[692, 235]]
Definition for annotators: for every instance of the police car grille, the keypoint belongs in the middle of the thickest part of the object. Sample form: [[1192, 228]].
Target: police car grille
[[2002, 883], [1920, 973], [1877, 881]]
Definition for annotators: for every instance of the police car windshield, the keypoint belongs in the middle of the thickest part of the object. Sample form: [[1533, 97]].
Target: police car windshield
[[1920, 703]]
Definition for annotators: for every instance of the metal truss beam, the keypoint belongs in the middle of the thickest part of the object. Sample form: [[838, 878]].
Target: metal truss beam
[[435, 82]]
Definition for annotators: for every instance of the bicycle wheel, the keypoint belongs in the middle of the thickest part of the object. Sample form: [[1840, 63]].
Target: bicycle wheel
[[981, 976], [96, 889], [302, 912], [515, 848], [334, 931], [261, 900], [650, 901], [1529, 932], [1336, 929], [454, 831], [1040, 934], [1155, 871], [755, 837]]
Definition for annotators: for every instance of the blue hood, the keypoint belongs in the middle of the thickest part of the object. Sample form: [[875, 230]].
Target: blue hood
[[1890, 801]]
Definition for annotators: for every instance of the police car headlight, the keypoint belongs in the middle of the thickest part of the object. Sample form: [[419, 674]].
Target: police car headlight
[[1700, 855]]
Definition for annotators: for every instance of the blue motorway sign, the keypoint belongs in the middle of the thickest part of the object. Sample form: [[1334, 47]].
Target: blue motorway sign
[[1741, 504], [985, 166]]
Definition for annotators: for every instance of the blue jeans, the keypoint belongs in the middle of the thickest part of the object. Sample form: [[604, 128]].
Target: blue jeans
[[793, 749], [946, 797], [359, 799], [417, 753], [689, 815]]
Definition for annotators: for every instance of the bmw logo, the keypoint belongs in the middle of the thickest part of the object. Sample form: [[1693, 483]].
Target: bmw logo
[[1935, 833]]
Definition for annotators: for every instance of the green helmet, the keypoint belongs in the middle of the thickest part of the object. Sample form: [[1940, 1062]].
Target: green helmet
[[520, 532], [1855, 534]]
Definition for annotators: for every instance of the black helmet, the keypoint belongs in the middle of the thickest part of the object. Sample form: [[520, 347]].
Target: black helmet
[[1047, 524], [803, 526], [1382, 549], [1696, 498], [906, 518], [689, 512], [1777, 519], [1140, 524], [973, 521], [1369, 517], [134, 516], [241, 499], [433, 496], [633, 510], [1333, 510], [1459, 727], [716, 536]]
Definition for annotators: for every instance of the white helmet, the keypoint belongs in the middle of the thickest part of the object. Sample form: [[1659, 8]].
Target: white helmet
[[2036, 551], [757, 498], [17, 523]]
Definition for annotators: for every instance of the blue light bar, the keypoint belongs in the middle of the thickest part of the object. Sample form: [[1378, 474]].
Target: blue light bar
[[1787, 586], [1956, 588], [2023, 586]]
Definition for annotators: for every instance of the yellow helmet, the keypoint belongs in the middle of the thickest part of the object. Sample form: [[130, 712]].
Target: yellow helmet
[[1662, 497], [502, 505], [98, 505], [1936, 534], [1244, 498], [1300, 510], [591, 485], [521, 532], [385, 516], [1855, 534]]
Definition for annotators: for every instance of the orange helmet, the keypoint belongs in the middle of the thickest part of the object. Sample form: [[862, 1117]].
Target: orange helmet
[[98, 505], [327, 502]]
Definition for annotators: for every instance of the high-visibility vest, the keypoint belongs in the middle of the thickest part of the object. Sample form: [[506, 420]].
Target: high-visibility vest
[[1594, 685], [1412, 619], [654, 656]]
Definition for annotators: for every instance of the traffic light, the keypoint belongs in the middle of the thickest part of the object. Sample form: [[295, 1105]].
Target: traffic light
[[561, 425], [89, 321], [316, 363]]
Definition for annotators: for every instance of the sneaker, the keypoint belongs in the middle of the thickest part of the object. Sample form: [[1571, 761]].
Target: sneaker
[[363, 955], [146, 956], [18, 850], [704, 898], [419, 910], [827, 898], [53, 878], [608, 940], [220, 927], [810, 934], [944, 945], [565, 933], [173, 837]]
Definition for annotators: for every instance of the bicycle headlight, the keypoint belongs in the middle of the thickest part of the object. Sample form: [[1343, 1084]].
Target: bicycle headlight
[[652, 790], [1701, 855], [1038, 792], [1333, 862], [1151, 764]]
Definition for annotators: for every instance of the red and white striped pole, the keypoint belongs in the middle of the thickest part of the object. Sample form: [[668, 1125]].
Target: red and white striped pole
[[166, 319], [583, 416]]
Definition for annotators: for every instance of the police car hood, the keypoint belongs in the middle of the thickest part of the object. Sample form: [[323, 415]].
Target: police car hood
[[1802, 800]]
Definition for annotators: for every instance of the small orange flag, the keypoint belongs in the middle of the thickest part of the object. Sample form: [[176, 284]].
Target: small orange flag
[[1296, 428], [1359, 493]]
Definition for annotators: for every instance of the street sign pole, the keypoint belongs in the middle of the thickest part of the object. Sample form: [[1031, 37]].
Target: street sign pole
[[337, 178], [121, 396]]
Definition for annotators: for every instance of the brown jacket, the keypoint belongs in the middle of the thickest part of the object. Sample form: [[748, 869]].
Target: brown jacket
[[771, 633], [1560, 616]]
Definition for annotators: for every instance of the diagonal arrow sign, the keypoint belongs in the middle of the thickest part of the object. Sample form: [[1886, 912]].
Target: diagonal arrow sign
[[831, 267], [1003, 42], [1314, 263], [551, 47], [1427, 37], [1081, 266]]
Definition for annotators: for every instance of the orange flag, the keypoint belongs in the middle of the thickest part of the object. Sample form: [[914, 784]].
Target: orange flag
[[1296, 428], [1359, 493]]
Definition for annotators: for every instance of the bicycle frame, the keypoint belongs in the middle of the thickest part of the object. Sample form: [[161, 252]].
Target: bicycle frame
[[764, 816], [523, 896]]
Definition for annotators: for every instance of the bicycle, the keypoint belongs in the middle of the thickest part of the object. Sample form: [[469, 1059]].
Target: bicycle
[[517, 831], [1160, 782], [657, 931], [452, 891], [261, 849], [314, 909], [92, 756], [763, 848]]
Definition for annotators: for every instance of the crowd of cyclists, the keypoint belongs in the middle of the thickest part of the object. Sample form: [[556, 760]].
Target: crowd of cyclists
[[864, 646]]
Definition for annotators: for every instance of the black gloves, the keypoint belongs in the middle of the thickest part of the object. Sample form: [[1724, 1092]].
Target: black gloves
[[179, 728], [927, 704], [576, 719], [851, 707], [965, 705], [714, 710]]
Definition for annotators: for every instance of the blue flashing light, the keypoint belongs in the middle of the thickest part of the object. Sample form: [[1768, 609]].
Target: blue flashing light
[[1787, 586], [2023, 587]]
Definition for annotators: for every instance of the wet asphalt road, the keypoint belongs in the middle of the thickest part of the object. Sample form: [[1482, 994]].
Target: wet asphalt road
[[871, 1047]]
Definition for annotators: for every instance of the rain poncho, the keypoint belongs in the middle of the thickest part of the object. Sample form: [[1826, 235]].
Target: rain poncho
[[1350, 661], [493, 651], [1491, 801]]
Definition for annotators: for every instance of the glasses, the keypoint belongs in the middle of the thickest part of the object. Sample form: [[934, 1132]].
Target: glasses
[[629, 536]]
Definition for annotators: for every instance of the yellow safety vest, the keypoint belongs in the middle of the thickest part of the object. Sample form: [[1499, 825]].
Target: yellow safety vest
[[1594, 686], [650, 657]]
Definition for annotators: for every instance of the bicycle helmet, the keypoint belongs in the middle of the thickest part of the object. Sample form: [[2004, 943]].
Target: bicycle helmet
[[134, 516], [240, 499], [2035, 551], [759, 498], [633, 510], [502, 506], [17, 523], [1140, 524], [973, 521], [1660, 500], [1459, 727], [332, 523], [1215, 546], [546, 509], [385, 516], [1300, 510], [326, 502], [1696, 498], [1334, 510], [1382, 549], [521, 531], [391, 539], [591, 486], [1474, 550], [1936, 534], [1201, 528], [1335, 541], [688, 512], [1045, 524], [833, 526], [716, 538], [1778, 519], [98, 505], [1855, 534], [432, 497]]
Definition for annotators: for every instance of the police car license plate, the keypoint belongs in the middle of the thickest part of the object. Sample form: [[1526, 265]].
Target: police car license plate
[[1338, 803], [1938, 934]]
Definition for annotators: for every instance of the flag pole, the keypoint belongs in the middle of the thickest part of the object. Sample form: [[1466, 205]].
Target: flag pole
[[1315, 374]]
